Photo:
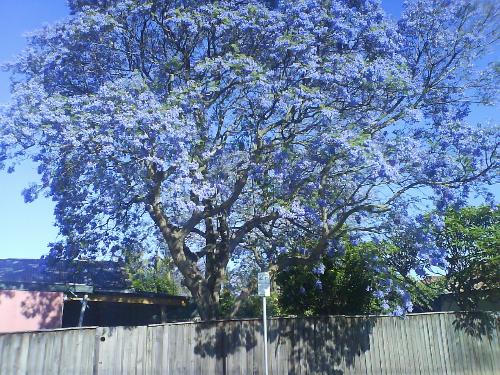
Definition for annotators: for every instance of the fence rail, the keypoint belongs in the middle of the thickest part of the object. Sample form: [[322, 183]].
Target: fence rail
[[419, 344]]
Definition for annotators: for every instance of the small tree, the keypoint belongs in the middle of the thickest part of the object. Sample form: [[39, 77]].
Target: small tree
[[337, 285], [151, 275], [471, 239]]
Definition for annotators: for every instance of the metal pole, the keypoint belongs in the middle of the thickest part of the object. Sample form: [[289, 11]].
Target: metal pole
[[265, 334], [82, 311]]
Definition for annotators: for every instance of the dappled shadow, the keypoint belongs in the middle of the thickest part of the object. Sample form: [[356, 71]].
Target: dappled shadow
[[46, 307], [477, 324], [323, 345], [340, 341], [4, 294], [220, 338]]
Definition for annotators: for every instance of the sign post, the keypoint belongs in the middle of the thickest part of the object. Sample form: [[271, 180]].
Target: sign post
[[264, 284]]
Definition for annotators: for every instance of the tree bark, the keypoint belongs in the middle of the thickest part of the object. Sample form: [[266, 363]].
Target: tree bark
[[205, 297], [204, 288]]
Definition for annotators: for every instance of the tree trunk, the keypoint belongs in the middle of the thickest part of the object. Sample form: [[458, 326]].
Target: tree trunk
[[204, 288], [206, 306], [203, 291]]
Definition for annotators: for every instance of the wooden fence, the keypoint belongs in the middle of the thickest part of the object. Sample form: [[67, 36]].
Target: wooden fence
[[437, 344]]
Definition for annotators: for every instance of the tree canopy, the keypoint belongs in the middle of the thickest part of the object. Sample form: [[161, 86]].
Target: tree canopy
[[232, 132], [471, 239]]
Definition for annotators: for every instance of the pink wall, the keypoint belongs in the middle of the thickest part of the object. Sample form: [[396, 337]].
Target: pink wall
[[29, 311]]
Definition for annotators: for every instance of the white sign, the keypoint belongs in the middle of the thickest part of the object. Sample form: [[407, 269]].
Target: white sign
[[264, 283]]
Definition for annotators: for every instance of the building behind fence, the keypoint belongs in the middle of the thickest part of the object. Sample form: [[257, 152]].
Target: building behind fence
[[437, 343]]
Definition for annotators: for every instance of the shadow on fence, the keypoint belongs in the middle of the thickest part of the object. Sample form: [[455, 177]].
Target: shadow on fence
[[422, 343], [477, 324], [318, 344]]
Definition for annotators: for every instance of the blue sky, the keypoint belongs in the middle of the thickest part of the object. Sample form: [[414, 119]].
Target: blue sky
[[26, 229]]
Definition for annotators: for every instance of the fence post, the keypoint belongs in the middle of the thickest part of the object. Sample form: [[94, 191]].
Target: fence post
[[101, 335]]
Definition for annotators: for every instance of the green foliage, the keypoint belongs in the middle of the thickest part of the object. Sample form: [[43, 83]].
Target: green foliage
[[424, 294], [152, 276], [471, 238], [251, 306], [343, 288]]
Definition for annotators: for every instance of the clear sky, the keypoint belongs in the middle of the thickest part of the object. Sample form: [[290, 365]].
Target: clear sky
[[26, 229]]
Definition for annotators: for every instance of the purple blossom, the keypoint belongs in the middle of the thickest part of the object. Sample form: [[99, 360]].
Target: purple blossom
[[354, 239], [379, 294], [282, 250], [318, 285], [319, 269], [398, 311]]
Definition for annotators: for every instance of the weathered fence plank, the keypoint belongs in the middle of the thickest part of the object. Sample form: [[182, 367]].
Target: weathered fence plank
[[417, 345]]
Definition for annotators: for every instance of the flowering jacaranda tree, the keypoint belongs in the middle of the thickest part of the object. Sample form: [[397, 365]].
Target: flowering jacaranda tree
[[235, 128]]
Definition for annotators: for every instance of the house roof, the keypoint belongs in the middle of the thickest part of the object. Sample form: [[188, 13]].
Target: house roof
[[29, 273]]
